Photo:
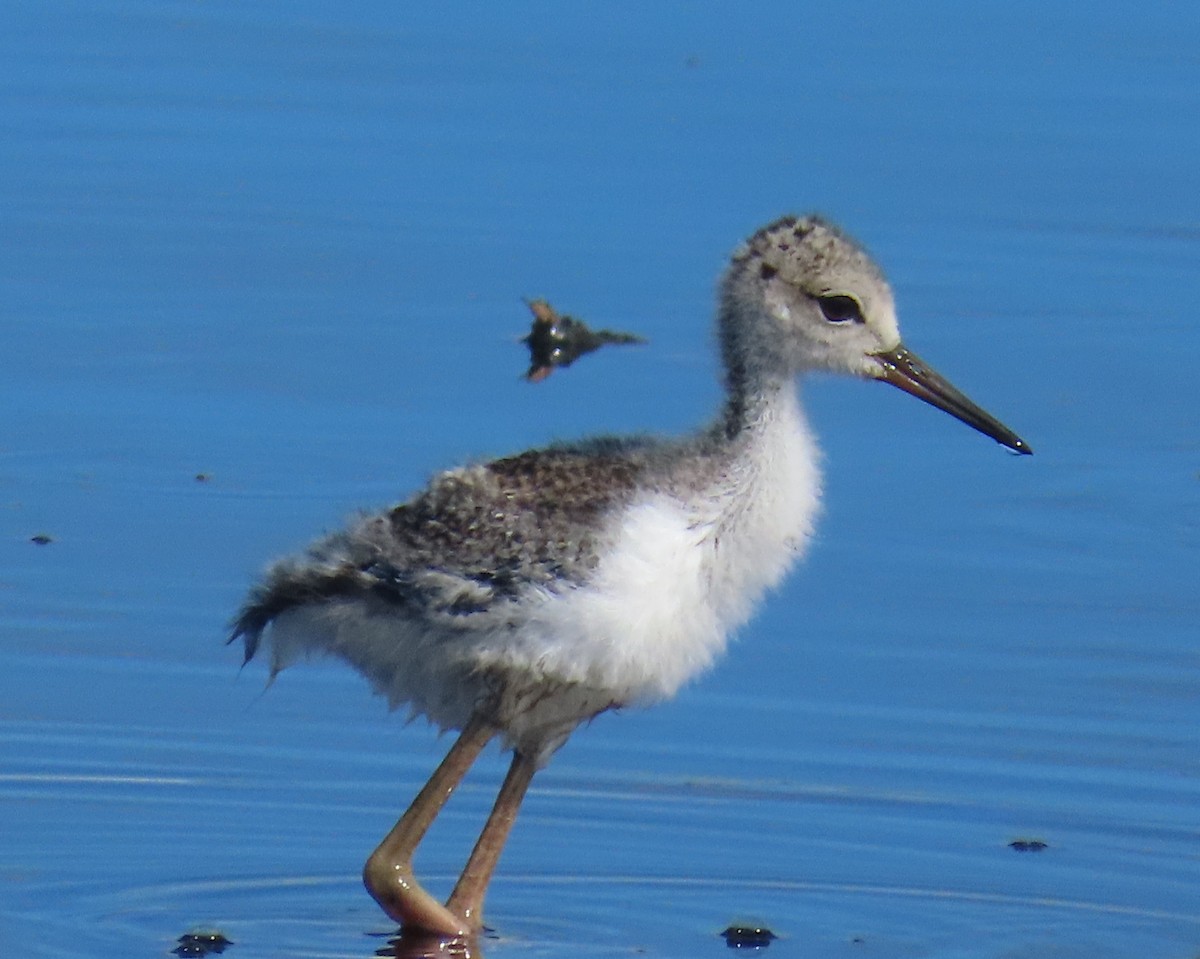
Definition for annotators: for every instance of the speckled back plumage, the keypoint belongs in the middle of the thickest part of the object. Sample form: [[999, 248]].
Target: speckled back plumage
[[475, 535], [533, 515]]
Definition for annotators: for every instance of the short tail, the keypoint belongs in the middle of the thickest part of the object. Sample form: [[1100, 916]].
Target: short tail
[[248, 627], [290, 584]]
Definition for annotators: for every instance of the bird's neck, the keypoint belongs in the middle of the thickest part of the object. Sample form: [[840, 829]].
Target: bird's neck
[[758, 382], [764, 489], [755, 397]]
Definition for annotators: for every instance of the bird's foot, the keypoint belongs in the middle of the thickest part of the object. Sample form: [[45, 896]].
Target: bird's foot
[[393, 885]]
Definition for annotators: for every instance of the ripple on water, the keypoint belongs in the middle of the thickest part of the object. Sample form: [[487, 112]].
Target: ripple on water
[[580, 914], [184, 830]]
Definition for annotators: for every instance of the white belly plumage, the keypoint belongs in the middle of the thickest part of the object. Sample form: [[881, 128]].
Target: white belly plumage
[[676, 579]]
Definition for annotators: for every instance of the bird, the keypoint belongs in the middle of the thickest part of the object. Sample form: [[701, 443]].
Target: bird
[[521, 597]]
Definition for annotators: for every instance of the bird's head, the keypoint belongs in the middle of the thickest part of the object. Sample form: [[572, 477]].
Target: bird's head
[[801, 295]]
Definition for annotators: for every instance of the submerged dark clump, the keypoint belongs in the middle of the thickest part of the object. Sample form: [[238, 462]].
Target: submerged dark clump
[[748, 937], [202, 942]]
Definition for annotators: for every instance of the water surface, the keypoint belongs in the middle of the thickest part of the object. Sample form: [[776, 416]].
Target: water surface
[[262, 266]]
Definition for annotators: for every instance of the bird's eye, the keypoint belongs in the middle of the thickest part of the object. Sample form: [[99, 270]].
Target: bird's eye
[[840, 308]]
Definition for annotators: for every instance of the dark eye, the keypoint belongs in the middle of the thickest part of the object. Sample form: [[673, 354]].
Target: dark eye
[[839, 308]]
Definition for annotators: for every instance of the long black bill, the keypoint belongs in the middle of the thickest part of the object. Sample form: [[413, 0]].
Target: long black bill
[[903, 368]]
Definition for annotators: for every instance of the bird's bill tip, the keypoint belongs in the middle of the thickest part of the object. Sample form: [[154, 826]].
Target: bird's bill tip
[[904, 369]]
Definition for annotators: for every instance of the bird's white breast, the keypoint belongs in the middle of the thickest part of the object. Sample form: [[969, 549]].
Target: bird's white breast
[[684, 569]]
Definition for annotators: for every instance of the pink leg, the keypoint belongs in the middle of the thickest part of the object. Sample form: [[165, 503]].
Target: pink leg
[[388, 874], [467, 899]]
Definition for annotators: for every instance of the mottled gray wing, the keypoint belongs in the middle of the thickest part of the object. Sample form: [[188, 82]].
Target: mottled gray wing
[[474, 536]]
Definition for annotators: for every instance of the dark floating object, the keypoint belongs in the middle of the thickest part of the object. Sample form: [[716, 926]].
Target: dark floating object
[[203, 477], [748, 937], [41, 539], [202, 942], [1028, 845], [556, 340]]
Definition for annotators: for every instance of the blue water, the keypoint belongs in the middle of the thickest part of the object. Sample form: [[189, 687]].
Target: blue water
[[286, 246]]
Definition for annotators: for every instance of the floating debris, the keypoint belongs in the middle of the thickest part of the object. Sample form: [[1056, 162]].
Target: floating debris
[[559, 340], [1028, 845], [748, 937], [203, 477], [41, 539], [202, 942]]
